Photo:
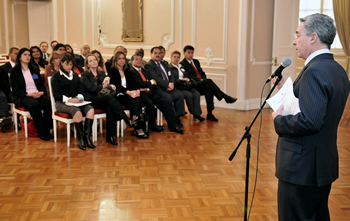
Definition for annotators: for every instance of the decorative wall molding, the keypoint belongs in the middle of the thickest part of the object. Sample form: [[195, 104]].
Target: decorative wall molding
[[250, 104], [65, 21], [252, 59], [7, 39], [84, 21], [13, 19], [93, 25], [166, 41], [209, 56], [222, 60], [54, 20], [241, 53]]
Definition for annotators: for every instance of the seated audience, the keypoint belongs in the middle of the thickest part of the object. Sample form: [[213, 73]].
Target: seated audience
[[80, 59], [128, 93], [4, 73], [66, 87], [141, 52], [159, 71], [5, 120], [94, 81], [53, 44], [162, 54], [37, 58], [149, 97], [110, 61], [61, 48], [204, 85], [52, 67], [43, 47], [101, 63], [191, 95], [28, 91]]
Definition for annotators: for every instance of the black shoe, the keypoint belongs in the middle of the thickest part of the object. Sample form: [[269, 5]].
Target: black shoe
[[212, 117], [43, 137], [80, 132], [87, 133], [143, 136], [176, 130], [5, 122], [157, 128], [49, 135], [201, 119], [178, 122], [230, 99], [111, 140]]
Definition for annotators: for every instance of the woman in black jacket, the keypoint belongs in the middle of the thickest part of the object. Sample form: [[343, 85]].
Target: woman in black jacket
[[93, 82], [28, 91], [66, 88], [128, 94]]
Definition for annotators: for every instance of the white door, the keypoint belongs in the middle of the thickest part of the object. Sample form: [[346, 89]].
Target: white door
[[285, 23], [39, 20]]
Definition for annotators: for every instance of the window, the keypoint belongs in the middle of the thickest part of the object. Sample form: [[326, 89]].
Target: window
[[307, 7]]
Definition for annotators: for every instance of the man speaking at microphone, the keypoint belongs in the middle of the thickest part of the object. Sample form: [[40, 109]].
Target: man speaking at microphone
[[306, 155]]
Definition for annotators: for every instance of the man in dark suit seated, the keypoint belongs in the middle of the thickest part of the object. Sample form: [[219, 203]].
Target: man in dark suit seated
[[307, 161], [43, 47], [160, 72], [149, 97], [204, 85], [80, 59], [4, 73], [109, 62]]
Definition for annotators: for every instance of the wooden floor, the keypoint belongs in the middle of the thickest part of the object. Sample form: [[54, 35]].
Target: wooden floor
[[166, 177]]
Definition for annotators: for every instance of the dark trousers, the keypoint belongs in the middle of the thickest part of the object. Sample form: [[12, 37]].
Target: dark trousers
[[42, 122], [193, 99], [296, 202], [3, 105], [178, 99], [133, 104], [209, 89], [163, 104], [114, 111]]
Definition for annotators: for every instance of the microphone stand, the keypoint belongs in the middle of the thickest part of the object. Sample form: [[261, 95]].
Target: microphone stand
[[248, 136]]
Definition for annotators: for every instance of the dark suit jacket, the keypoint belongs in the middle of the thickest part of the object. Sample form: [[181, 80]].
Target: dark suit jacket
[[18, 83], [139, 81], [4, 80], [110, 61], [157, 75], [116, 80], [191, 72], [92, 85], [307, 145]]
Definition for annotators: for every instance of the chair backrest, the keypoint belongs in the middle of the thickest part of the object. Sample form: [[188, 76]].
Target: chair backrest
[[53, 102]]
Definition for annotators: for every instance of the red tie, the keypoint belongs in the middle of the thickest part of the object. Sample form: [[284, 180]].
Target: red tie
[[142, 76], [198, 75]]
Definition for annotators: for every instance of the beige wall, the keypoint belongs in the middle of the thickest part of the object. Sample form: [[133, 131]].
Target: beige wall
[[13, 24]]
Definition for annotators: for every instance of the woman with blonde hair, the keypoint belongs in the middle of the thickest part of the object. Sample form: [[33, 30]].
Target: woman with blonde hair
[[52, 67]]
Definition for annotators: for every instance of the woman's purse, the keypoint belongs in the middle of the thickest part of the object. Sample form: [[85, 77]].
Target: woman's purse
[[107, 91], [187, 85]]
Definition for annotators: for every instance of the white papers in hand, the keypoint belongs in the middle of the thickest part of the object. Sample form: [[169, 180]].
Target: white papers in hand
[[285, 96], [78, 104]]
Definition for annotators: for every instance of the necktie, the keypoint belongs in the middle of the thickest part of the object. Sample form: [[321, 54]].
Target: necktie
[[198, 75], [44, 56], [164, 75], [142, 76]]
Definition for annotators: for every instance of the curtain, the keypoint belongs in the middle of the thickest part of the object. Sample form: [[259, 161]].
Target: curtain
[[341, 9]]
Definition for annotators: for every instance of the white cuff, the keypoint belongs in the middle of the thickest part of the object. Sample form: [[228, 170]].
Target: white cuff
[[65, 99]]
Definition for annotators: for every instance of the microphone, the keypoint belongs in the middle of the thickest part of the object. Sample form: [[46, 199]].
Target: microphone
[[285, 63]]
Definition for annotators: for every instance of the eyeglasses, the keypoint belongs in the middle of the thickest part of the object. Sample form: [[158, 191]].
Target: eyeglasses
[[297, 35]]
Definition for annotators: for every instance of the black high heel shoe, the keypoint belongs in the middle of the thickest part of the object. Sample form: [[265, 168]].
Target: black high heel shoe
[[138, 135], [111, 140]]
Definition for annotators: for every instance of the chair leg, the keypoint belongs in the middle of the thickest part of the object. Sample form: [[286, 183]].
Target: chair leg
[[15, 121], [122, 128], [68, 134], [118, 124], [54, 131], [101, 129], [25, 125]]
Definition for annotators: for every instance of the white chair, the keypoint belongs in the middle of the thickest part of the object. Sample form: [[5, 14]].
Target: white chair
[[58, 116], [25, 113], [99, 114]]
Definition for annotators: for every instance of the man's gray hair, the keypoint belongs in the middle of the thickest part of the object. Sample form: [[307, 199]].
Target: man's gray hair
[[86, 44], [322, 25]]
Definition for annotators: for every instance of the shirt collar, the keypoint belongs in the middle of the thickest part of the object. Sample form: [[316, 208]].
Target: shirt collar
[[70, 77], [12, 63], [137, 69], [314, 54]]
